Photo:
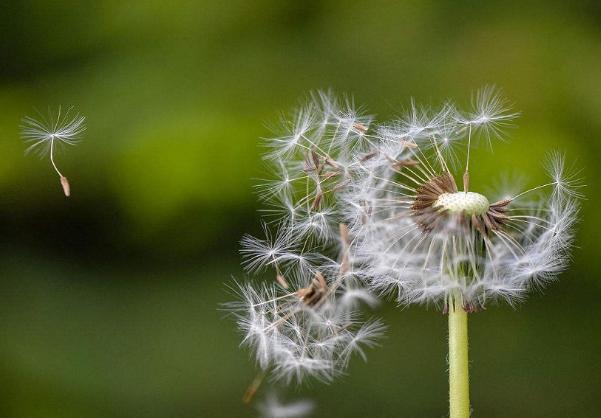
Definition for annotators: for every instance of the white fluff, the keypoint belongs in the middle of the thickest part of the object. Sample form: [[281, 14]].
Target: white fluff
[[356, 206]]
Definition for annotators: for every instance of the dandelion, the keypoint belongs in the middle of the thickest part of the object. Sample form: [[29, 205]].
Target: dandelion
[[48, 133], [368, 209], [419, 236], [422, 239]]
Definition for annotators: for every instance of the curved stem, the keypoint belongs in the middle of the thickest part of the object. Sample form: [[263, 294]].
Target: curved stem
[[64, 181], [52, 158], [459, 395]]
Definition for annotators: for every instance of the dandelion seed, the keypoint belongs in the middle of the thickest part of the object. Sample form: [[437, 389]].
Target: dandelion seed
[[46, 134], [491, 113]]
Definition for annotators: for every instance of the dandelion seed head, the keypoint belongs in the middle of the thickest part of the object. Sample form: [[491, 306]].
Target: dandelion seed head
[[419, 237], [366, 210]]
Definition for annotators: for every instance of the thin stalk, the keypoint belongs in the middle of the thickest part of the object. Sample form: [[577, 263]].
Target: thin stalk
[[64, 181], [466, 175], [459, 393], [252, 389], [52, 158]]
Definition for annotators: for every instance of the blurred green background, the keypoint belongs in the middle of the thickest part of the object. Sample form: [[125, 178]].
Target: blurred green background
[[109, 299]]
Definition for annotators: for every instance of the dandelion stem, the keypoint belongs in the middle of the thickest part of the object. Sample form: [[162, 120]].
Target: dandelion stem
[[459, 396]]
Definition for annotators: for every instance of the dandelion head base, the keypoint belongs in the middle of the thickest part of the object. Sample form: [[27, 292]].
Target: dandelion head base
[[469, 203]]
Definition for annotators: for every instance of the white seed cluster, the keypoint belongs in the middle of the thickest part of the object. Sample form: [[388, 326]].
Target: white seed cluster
[[355, 210], [469, 203]]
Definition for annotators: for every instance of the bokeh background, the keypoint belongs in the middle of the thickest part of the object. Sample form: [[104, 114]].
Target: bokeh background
[[109, 300]]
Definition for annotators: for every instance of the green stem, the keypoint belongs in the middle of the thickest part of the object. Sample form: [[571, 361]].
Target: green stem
[[459, 385]]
